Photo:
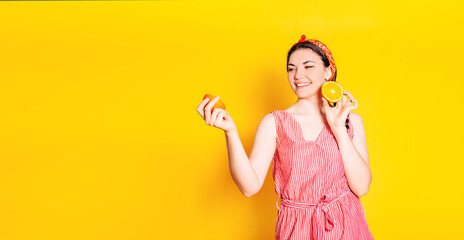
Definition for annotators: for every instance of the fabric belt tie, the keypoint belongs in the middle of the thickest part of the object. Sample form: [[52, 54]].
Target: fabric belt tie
[[323, 215]]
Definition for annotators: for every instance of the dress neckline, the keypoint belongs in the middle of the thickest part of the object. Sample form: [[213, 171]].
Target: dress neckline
[[300, 129]]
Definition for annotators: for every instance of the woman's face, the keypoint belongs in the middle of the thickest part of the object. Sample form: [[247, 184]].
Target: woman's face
[[306, 72]]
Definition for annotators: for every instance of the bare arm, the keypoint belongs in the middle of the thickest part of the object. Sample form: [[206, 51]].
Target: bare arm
[[355, 157], [248, 174], [354, 153]]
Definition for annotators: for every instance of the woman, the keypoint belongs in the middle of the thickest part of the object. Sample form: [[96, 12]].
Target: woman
[[321, 164]]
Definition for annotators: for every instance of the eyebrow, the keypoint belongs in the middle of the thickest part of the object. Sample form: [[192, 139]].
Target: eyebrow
[[304, 62]]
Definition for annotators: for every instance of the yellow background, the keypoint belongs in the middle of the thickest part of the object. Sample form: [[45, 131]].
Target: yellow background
[[99, 137]]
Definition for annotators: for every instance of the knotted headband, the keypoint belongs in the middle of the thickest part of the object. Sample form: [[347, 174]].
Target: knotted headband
[[325, 49]]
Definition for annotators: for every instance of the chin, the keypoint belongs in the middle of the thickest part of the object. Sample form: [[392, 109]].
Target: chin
[[306, 95]]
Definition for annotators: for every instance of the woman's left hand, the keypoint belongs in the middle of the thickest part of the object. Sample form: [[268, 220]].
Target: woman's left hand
[[336, 116]]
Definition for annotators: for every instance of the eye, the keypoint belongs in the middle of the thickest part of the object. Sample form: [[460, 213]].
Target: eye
[[308, 66], [290, 69]]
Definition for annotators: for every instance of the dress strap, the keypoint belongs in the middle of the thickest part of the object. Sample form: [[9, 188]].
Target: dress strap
[[277, 120]]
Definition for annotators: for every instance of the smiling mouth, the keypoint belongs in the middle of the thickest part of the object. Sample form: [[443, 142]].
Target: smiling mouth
[[302, 85]]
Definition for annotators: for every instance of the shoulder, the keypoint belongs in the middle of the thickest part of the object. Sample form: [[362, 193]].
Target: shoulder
[[359, 138], [269, 119], [357, 123], [274, 115], [267, 126], [355, 118]]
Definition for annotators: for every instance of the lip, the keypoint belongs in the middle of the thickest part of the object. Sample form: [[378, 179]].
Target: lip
[[302, 86]]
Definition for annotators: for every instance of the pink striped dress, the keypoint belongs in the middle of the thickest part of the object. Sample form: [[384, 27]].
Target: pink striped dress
[[316, 201]]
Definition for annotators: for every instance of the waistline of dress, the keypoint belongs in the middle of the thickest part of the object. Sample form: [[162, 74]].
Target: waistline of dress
[[305, 205], [323, 219]]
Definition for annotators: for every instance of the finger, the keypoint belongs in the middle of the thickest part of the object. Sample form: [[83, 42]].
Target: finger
[[219, 110], [207, 114], [348, 102], [221, 115], [219, 120], [350, 96], [349, 107], [224, 113], [344, 98], [344, 112], [203, 103], [214, 115], [201, 106], [343, 107], [355, 104], [227, 116], [325, 104], [207, 110], [211, 104], [342, 103]]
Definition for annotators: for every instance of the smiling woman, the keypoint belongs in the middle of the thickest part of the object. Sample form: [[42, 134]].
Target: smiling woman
[[314, 176], [320, 161]]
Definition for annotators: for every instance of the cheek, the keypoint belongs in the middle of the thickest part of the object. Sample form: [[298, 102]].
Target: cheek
[[289, 76], [290, 81], [321, 74]]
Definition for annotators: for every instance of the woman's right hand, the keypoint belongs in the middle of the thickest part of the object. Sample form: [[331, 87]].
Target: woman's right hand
[[219, 118]]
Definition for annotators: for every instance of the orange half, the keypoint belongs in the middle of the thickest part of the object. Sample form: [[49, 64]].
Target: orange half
[[332, 91]]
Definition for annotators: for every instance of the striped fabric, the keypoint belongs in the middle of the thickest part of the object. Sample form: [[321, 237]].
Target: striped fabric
[[309, 177]]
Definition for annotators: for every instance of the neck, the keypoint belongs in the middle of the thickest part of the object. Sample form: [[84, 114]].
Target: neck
[[309, 107]]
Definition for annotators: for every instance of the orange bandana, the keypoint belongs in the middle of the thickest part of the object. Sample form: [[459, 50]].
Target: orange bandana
[[325, 49]]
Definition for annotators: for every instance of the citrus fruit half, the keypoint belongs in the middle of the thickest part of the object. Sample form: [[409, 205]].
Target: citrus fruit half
[[332, 91], [219, 103]]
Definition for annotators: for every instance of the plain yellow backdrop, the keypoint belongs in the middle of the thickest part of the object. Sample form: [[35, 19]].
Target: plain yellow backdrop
[[100, 139]]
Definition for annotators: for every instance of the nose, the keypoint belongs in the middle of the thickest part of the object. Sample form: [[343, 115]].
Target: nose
[[298, 74]]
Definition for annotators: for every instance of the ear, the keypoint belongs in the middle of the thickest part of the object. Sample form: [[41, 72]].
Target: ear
[[328, 73]]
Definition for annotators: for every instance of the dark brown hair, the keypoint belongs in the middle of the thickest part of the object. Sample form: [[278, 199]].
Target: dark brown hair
[[316, 49]]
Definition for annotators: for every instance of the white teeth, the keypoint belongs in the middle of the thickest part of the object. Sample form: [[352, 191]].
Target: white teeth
[[302, 84]]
